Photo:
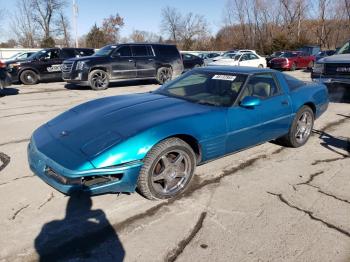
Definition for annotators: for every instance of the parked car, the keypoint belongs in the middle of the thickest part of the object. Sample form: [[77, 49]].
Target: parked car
[[5, 79], [208, 57], [191, 61], [242, 59], [124, 62], [272, 56], [154, 141], [20, 56], [44, 65], [324, 53], [292, 60], [335, 68], [226, 55]]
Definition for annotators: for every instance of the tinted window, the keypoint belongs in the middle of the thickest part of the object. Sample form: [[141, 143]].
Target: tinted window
[[187, 57], [84, 52], [139, 50], [292, 82], [262, 86], [218, 89], [67, 53], [124, 51], [166, 50]]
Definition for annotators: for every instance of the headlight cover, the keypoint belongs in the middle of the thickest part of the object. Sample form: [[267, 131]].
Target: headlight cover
[[80, 65], [318, 68]]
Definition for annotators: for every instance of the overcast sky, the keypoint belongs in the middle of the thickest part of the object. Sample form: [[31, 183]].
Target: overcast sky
[[138, 14]]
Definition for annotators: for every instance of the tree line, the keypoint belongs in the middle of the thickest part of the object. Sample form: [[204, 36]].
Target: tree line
[[264, 25]]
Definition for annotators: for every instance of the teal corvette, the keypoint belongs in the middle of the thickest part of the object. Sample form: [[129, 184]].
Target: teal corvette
[[154, 141]]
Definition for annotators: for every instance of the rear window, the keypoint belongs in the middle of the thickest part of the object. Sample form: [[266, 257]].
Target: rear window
[[166, 50], [292, 82]]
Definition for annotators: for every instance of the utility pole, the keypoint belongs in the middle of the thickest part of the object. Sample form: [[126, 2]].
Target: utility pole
[[75, 17]]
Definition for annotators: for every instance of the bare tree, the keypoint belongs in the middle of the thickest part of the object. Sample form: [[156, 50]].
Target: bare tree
[[23, 24], [45, 12], [63, 29], [192, 27], [171, 22], [111, 27]]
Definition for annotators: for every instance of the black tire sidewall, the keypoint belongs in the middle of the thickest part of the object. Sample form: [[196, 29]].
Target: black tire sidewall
[[152, 159], [90, 76], [23, 80], [291, 136]]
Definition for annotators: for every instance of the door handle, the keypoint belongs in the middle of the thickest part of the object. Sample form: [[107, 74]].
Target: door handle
[[151, 59], [130, 60], [285, 102]]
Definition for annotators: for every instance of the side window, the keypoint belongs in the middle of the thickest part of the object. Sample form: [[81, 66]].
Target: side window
[[262, 86], [252, 56], [67, 53], [292, 82], [187, 57], [139, 50], [124, 51], [53, 54], [244, 57]]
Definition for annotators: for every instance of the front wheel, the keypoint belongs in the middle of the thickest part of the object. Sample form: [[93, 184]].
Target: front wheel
[[260, 66], [164, 74], [301, 128], [29, 77], [168, 169], [293, 67], [98, 79]]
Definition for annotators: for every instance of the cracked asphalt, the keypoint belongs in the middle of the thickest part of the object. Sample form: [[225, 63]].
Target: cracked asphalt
[[267, 203]]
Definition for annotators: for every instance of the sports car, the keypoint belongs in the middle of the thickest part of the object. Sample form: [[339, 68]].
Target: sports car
[[153, 141]]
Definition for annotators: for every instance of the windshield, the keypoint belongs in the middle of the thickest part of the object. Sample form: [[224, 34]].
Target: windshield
[[215, 89], [289, 54], [345, 49], [14, 56], [229, 55], [105, 51], [276, 54]]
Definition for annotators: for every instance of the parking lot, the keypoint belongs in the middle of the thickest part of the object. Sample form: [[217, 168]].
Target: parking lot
[[267, 203]]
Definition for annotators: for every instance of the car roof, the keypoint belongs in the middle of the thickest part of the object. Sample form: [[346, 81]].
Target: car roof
[[236, 69]]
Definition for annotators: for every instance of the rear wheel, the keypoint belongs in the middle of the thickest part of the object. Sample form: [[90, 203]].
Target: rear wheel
[[301, 128], [168, 169], [260, 66], [164, 74], [29, 77], [98, 79]]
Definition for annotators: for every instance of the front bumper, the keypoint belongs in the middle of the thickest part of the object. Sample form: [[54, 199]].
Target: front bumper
[[70, 181], [324, 79]]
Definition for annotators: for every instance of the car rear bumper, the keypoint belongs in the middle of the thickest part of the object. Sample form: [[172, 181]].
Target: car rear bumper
[[278, 66], [122, 178]]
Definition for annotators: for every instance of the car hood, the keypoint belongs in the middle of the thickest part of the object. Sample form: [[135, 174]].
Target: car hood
[[344, 58], [95, 126], [84, 58]]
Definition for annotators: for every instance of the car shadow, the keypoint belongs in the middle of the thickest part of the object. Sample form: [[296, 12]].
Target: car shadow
[[333, 143], [125, 83], [81, 234], [8, 91], [339, 93]]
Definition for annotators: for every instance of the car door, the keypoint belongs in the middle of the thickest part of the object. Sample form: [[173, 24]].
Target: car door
[[245, 60], [50, 64], [145, 60], [123, 63], [275, 111]]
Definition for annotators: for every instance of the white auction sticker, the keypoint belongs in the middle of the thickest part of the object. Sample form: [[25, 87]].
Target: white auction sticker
[[224, 77]]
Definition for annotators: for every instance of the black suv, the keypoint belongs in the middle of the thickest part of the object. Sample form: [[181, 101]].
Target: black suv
[[44, 65], [123, 62]]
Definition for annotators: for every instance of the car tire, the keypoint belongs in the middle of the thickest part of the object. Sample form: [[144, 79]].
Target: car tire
[[164, 74], [29, 77], [260, 66], [98, 79], [167, 171], [293, 67], [301, 128]]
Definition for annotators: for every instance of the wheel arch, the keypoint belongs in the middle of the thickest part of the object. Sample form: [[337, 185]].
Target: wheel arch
[[28, 69], [312, 106], [192, 142], [99, 67]]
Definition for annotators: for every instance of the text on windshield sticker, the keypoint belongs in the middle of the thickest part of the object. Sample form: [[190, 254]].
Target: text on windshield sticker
[[224, 77]]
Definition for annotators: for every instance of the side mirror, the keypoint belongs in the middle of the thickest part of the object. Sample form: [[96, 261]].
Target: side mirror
[[250, 102]]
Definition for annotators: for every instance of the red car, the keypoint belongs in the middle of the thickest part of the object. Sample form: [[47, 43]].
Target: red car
[[292, 60]]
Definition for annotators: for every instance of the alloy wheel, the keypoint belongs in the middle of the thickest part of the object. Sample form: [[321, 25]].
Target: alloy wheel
[[304, 126]]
